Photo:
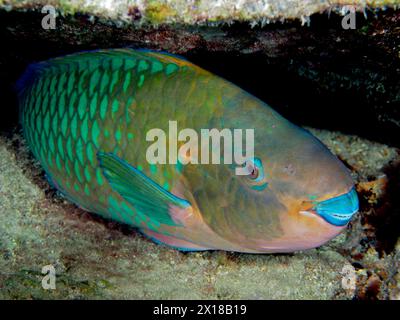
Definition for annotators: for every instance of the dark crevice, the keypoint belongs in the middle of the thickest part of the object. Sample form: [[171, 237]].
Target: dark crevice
[[385, 218]]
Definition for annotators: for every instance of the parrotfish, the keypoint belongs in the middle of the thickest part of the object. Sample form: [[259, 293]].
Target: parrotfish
[[85, 117]]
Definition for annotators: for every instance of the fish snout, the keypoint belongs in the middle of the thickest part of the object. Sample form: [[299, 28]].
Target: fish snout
[[337, 211]]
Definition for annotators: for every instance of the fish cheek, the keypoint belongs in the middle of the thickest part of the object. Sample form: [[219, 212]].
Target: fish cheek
[[239, 214]]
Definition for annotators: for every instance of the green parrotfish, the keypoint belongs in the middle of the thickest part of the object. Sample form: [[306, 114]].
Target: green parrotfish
[[85, 117]]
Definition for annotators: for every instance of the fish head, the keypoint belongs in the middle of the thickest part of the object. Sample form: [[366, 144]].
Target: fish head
[[296, 194], [314, 187]]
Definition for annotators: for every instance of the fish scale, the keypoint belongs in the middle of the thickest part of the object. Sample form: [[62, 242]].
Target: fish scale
[[74, 100]]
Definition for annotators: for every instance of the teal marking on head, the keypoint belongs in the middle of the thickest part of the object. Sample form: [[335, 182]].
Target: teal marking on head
[[259, 166], [260, 187], [179, 166]]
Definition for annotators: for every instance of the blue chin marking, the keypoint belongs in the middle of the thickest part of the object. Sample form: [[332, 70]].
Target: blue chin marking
[[339, 210]]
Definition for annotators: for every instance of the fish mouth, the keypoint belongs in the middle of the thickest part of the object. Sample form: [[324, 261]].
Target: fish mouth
[[337, 211]]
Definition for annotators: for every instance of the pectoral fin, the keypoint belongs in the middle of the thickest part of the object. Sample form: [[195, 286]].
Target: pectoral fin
[[141, 192]]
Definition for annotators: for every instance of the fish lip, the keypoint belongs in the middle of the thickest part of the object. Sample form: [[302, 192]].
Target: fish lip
[[338, 210]]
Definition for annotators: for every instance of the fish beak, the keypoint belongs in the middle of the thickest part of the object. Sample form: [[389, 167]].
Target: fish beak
[[337, 211]]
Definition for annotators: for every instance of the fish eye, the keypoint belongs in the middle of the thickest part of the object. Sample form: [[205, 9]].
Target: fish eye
[[254, 172], [255, 169]]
